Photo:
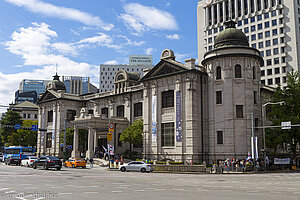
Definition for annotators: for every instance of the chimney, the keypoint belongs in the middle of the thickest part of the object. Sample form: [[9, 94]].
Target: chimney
[[190, 63]]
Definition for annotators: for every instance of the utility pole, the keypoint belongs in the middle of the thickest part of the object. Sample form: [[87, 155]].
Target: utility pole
[[65, 135]]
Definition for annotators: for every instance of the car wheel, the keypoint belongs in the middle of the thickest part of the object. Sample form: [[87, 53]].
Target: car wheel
[[143, 170], [27, 165], [34, 166], [83, 167], [59, 168], [123, 169], [45, 166], [65, 165], [21, 165], [73, 165]]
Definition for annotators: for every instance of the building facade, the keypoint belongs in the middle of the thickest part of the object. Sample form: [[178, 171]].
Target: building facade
[[190, 112], [136, 64], [78, 85], [271, 26], [26, 109], [30, 96], [27, 85]]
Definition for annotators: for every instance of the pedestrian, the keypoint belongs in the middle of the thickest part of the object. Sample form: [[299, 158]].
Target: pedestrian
[[91, 162]]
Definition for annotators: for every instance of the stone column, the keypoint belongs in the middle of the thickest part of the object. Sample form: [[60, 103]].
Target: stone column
[[212, 8], [95, 140], [236, 10], [224, 11], [75, 152], [206, 16], [249, 6], [255, 5], [90, 151]]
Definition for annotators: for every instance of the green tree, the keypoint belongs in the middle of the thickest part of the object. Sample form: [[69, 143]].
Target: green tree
[[289, 111], [133, 133], [25, 137], [11, 118], [69, 136]]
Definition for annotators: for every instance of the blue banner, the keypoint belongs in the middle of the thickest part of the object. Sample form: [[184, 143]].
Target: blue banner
[[178, 117]]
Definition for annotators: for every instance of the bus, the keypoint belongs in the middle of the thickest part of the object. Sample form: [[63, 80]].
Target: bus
[[19, 151]]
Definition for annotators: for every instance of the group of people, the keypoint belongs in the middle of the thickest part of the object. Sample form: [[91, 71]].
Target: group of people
[[235, 165]]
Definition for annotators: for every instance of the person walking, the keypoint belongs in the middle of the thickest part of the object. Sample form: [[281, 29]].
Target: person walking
[[91, 162]]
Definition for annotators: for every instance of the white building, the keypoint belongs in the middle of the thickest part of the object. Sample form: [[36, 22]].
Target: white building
[[136, 64], [271, 26]]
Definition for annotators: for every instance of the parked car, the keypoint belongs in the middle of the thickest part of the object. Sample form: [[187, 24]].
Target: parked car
[[28, 161], [1, 158], [136, 166], [47, 162], [12, 160], [75, 162]]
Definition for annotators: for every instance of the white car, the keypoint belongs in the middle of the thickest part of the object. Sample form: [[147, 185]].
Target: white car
[[28, 161], [136, 166]]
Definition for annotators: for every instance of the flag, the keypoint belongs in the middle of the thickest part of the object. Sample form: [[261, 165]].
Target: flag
[[104, 149]]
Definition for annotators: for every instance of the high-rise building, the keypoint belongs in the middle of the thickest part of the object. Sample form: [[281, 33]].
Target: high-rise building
[[78, 85], [271, 26], [27, 85], [30, 96], [136, 64]]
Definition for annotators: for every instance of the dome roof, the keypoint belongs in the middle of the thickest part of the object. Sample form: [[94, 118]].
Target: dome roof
[[56, 84], [231, 37]]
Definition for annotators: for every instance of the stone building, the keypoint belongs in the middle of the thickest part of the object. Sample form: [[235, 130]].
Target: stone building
[[190, 112]]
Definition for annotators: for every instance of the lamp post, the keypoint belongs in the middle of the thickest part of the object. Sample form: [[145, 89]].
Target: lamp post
[[65, 135], [263, 126]]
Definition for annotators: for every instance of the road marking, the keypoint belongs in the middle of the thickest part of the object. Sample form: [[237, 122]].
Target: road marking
[[116, 191], [139, 190], [56, 187], [64, 193], [160, 189], [178, 189], [93, 186], [31, 187], [4, 189], [9, 191], [91, 192]]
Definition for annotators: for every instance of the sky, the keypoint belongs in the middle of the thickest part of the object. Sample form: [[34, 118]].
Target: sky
[[38, 37]]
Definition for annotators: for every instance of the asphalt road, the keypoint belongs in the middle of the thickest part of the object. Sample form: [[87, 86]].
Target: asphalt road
[[97, 183]]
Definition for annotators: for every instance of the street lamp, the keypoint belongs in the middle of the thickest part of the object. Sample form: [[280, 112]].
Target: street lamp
[[263, 126]]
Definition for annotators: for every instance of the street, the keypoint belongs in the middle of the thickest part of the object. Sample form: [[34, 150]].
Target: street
[[97, 183]]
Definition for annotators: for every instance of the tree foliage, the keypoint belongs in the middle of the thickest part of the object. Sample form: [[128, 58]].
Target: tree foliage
[[133, 133], [289, 111], [11, 118], [25, 137], [69, 136]]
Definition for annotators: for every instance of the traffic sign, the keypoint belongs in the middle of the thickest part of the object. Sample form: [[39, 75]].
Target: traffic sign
[[286, 125], [17, 126], [111, 126], [109, 136], [69, 147], [34, 127]]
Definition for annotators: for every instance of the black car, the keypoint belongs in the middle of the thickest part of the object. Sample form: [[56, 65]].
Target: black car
[[12, 160], [47, 162]]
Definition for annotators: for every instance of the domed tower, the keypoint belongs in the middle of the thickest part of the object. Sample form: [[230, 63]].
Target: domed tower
[[56, 84], [234, 94]]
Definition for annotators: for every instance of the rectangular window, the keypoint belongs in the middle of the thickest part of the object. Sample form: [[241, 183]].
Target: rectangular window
[[275, 32], [218, 97], [262, 73], [267, 24], [268, 43], [259, 17], [276, 60], [138, 109], [255, 97], [50, 116], [270, 81], [167, 134], [168, 99], [246, 21], [239, 111], [275, 51], [120, 111], [252, 19], [71, 115], [275, 41], [253, 28], [253, 45], [267, 34], [259, 26], [269, 62], [268, 52], [274, 22], [260, 36], [24, 116], [28, 116], [104, 111], [35, 116], [219, 137], [273, 13], [48, 140], [277, 70], [277, 80], [246, 30], [253, 37], [269, 71], [266, 15], [260, 45]]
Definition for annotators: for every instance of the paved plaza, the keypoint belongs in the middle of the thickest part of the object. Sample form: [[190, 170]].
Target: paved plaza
[[97, 183]]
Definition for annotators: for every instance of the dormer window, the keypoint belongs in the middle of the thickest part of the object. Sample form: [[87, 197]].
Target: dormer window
[[218, 73], [237, 71]]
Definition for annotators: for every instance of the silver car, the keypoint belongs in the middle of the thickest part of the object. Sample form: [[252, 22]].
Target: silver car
[[136, 166]]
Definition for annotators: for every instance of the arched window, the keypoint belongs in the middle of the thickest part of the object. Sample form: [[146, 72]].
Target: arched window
[[218, 73], [237, 71], [254, 72]]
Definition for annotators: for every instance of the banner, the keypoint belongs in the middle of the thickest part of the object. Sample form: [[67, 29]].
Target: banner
[[154, 122], [282, 161], [178, 117], [42, 132], [254, 147], [53, 129]]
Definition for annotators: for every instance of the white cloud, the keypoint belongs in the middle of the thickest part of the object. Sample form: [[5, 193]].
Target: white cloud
[[111, 62], [65, 48], [173, 37], [181, 56], [48, 9], [141, 18], [149, 51], [34, 45]]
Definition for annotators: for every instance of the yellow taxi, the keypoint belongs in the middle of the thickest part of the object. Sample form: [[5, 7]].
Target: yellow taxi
[[75, 162]]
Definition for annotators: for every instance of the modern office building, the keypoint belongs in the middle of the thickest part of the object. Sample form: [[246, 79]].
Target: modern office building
[[137, 64], [30, 96], [271, 26], [27, 85], [78, 85]]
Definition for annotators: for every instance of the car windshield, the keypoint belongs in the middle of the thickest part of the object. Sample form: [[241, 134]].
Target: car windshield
[[14, 157], [79, 160], [33, 158], [53, 158]]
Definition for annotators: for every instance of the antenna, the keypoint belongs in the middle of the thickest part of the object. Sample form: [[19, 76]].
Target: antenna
[[56, 68]]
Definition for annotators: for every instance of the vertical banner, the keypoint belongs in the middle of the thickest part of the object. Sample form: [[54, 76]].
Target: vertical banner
[[53, 129], [42, 132], [178, 117], [154, 123], [254, 148]]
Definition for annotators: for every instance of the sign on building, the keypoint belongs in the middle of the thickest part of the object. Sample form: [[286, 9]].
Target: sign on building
[[140, 60]]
